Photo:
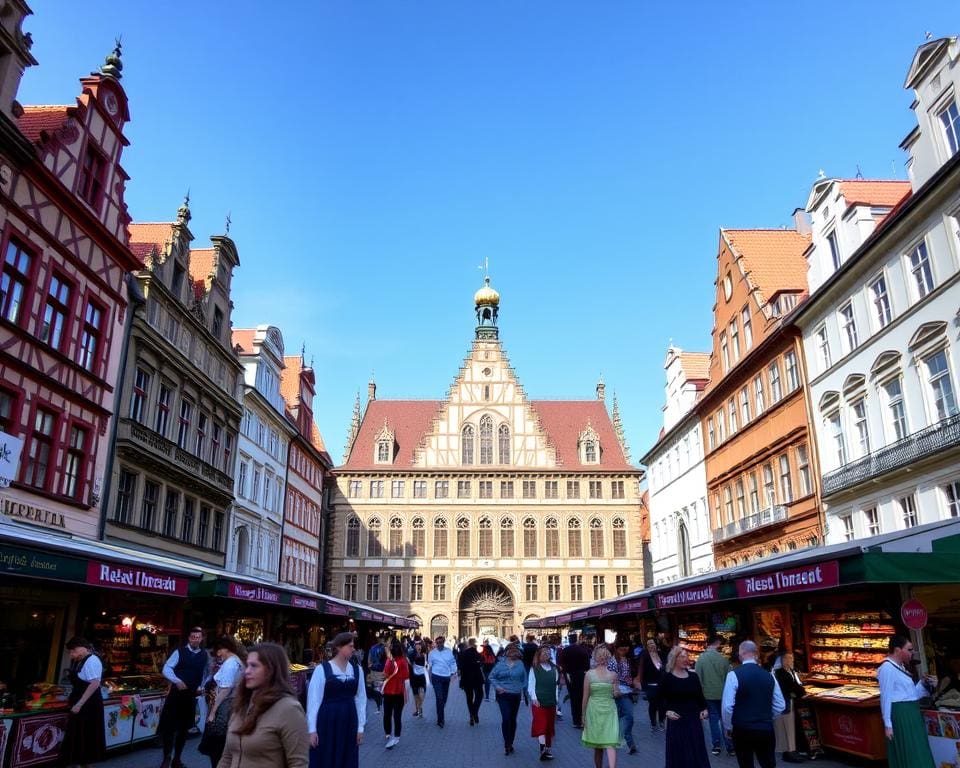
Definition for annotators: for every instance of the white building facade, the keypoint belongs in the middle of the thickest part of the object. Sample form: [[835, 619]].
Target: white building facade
[[880, 329], [265, 434], [681, 539]]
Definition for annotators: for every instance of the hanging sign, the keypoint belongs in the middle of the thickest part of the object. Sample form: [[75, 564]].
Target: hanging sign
[[914, 614], [799, 579], [702, 593], [136, 579]]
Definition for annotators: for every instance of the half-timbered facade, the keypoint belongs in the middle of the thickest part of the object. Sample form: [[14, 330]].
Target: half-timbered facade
[[64, 299], [171, 488], [484, 509]]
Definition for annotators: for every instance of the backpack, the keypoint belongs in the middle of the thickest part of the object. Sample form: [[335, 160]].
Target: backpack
[[376, 658]]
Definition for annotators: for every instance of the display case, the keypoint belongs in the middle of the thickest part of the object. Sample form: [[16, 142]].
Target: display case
[[847, 646], [692, 634]]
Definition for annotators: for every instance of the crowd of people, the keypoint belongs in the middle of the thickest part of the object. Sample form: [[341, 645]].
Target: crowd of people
[[255, 719]]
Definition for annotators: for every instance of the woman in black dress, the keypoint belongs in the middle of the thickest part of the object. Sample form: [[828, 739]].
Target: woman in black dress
[[418, 677], [470, 665], [651, 672], [84, 742], [686, 707]]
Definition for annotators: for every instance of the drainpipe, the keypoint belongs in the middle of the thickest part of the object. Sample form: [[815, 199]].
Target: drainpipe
[[136, 300]]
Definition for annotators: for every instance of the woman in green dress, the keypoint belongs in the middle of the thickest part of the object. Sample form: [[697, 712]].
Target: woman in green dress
[[601, 725], [907, 745]]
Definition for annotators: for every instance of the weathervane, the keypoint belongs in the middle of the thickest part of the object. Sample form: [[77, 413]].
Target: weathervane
[[485, 267], [229, 221]]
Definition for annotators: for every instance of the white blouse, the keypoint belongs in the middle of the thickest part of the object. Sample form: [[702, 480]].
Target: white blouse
[[92, 669], [315, 695], [229, 673], [896, 684]]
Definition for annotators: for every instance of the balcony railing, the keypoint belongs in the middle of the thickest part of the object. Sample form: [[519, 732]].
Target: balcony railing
[[760, 519], [927, 442]]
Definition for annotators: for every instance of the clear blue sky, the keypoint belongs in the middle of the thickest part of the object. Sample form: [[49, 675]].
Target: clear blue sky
[[373, 153]]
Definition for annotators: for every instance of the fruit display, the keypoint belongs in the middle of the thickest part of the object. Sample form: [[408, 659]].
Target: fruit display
[[45, 696], [848, 646]]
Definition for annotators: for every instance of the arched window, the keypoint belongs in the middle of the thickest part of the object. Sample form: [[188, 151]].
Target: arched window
[[441, 538], [466, 445], [419, 538], [352, 548], [529, 537], [619, 537], [438, 626], [596, 537], [590, 452], [485, 543], [506, 537], [503, 442], [553, 538], [463, 537], [396, 537], [574, 538], [486, 440], [683, 549], [374, 542]]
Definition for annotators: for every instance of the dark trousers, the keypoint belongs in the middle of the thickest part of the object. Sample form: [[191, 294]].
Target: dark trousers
[[176, 719], [656, 707], [716, 725], [575, 689], [760, 743], [474, 694], [376, 696], [392, 707], [509, 704], [441, 689]]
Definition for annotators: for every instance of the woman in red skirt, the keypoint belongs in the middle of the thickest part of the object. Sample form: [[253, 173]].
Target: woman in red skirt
[[542, 687]]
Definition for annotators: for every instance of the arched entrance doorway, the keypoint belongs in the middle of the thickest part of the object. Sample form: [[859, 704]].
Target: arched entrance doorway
[[486, 608]]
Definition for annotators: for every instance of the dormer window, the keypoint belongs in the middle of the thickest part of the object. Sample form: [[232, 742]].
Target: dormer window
[[834, 249], [177, 284], [950, 120], [384, 445], [589, 446], [93, 175]]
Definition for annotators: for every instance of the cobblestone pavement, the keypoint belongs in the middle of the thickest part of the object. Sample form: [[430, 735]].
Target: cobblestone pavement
[[458, 745]]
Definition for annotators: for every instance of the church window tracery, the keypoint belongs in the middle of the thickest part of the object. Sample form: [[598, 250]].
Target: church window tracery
[[574, 538], [463, 537], [529, 537], [596, 537], [485, 544], [486, 440], [506, 537], [553, 538], [619, 537], [466, 445], [441, 538], [503, 444], [374, 542]]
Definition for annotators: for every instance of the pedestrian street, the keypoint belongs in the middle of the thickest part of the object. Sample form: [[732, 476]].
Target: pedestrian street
[[459, 745]]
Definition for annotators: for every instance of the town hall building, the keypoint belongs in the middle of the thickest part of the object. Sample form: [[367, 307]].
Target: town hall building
[[477, 512]]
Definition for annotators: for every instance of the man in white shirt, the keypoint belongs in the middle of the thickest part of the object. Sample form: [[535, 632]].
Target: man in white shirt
[[442, 666], [751, 700], [186, 669]]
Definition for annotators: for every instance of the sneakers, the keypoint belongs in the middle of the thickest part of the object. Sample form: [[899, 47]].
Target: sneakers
[[633, 750], [548, 755], [392, 741], [715, 751]]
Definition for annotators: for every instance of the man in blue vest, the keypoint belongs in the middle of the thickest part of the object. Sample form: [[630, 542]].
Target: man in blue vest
[[186, 669], [751, 700]]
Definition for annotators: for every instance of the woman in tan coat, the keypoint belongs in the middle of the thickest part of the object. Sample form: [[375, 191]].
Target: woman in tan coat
[[268, 727]]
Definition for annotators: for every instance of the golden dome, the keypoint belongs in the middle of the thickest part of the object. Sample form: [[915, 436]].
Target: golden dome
[[486, 295]]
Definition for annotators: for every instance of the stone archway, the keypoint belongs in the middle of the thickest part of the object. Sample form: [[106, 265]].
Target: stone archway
[[486, 608]]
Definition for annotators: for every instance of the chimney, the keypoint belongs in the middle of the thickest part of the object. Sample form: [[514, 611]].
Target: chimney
[[802, 222], [601, 390], [371, 390]]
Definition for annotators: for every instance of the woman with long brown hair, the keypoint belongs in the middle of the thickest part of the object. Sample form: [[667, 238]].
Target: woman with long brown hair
[[268, 727]]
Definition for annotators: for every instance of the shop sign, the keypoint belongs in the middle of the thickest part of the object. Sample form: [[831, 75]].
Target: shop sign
[[799, 579], [10, 449], [134, 578], [845, 729], [335, 609], [703, 593], [629, 606], [250, 592], [298, 601], [27, 563], [577, 615], [47, 518], [366, 615], [914, 614]]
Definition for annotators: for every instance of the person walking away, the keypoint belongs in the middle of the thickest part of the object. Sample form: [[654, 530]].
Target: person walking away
[[542, 684], [509, 679], [622, 667], [529, 652], [601, 726], [574, 661], [907, 745], [374, 662], [712, 668], [337, 708], [232, 657], [685, 709], [751, 700], [441, 665], [186, 669], [84, 742], [785, 726], [418, 677], [489, 658], [554, 655], [651, 672], [471, 678], [396, 673], [267, 727]]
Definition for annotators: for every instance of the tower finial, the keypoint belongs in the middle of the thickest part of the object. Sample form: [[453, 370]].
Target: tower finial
[[112, 65], [183, 212], [226, 226]]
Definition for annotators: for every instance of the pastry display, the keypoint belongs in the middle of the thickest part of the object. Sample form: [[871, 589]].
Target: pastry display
[[848, 645]]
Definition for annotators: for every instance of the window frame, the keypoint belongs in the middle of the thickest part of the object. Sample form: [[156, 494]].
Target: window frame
[[12, 272], [882, 303], [923, 268], [92, 362]]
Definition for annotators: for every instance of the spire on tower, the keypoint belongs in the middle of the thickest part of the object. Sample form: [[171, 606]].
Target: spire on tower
[[618, 428], [354, 429]]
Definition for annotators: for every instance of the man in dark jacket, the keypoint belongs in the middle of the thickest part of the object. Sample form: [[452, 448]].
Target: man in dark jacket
[[574, 662], [471, 678], [529, 653], [751, 700]]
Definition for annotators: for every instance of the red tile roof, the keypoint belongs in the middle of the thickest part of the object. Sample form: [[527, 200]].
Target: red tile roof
[[201, 262], [142, 251], [772, 258], [562, 422], [290, 380], [35, 120], [879, 193], [243, 337], [695, 365]]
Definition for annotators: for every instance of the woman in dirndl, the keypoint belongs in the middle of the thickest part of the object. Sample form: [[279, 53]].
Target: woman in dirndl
[[542, 689], [337, 708], [84, 742], [907, 745]]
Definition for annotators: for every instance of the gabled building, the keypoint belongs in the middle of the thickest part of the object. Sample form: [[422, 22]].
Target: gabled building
[[761, 471], [304, 521], [265, 435], [171, 488], [64, 301], [481, 510], [880, 330], [681, 534]]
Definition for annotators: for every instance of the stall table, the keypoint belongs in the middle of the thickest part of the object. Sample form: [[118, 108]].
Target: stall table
[[848, 720]]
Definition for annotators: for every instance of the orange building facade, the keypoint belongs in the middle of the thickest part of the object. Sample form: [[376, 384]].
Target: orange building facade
[[760, 463]]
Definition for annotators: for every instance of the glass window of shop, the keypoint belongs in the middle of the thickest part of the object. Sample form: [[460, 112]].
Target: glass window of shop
[[31, 640]]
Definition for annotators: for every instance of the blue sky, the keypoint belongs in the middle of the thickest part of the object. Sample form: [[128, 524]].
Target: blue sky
[[372, 154]]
